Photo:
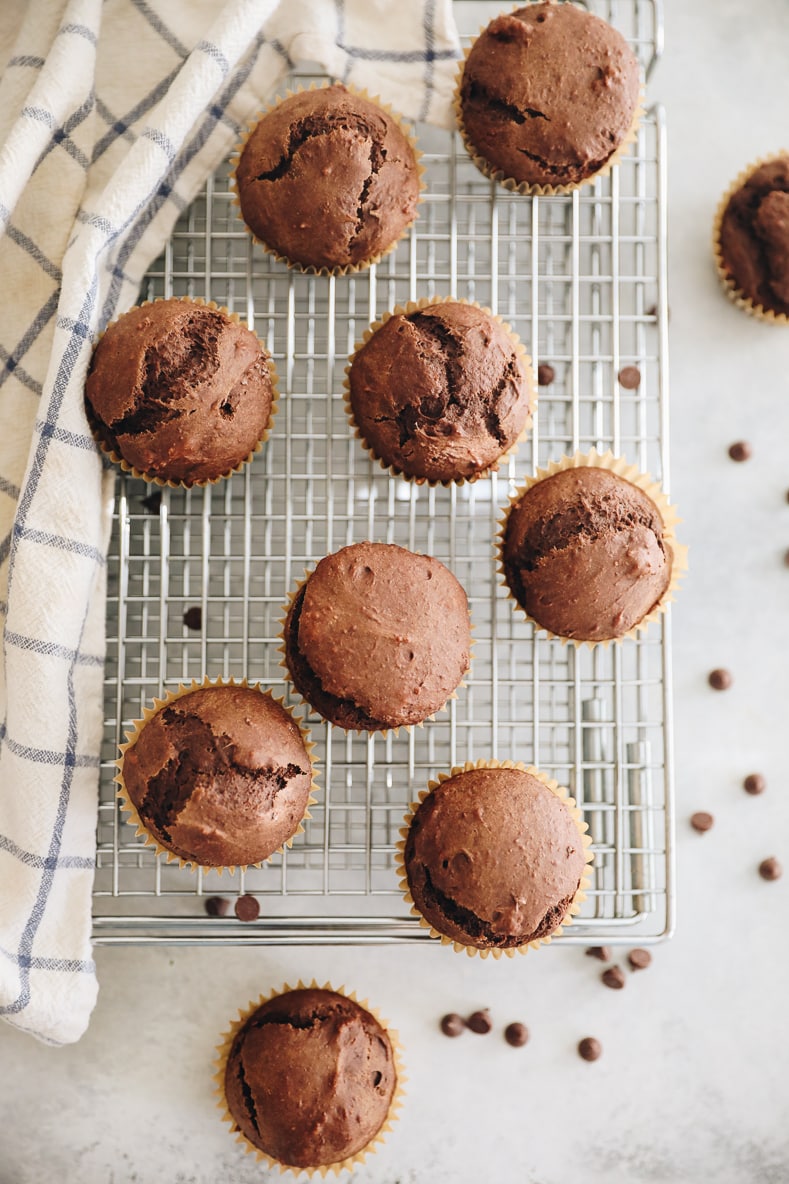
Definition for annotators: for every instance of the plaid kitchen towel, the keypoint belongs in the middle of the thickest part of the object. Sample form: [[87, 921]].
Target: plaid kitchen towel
[[111, 117]]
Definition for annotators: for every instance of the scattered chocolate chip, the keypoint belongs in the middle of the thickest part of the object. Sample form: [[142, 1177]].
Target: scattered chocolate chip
[[516, 1034], [247, 908], [590, 1048], [217, 906], [614, 977], [741, 450], [545, 374], [193, 617], [153, 502], [770, 869], [602, 953], [652, 311], [720, 679], [630, 378], [701, 821], [754, 783], [453, 1024], [639, 959], [480, 1022]]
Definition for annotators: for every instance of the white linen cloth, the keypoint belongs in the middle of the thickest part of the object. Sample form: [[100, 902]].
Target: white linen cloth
[[111, 117]]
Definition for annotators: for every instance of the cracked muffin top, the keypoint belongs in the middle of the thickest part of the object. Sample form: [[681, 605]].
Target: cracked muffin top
[[310, 1078], [548, 94], [180, 391], [220, 776], [378, 637], [753, 241], [328, 179], [584, 554], [440, 393], [493, 858]]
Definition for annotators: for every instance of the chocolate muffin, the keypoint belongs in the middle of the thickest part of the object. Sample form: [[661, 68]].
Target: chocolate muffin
[[179, 390], [493, 858], [220, 776], [585, 554], [310, 1078], [752, 238], [328, 180], [378, 637], [440, 393], [547, 96]]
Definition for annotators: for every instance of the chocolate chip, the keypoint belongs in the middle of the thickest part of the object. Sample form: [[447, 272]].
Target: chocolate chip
[[153, 502], [630, 378], [217, 906], [545, 374], [516, 1034], [741, 450], [754, 783], [701, 821], [720, 679], [193, 617], [453, 1024], [247, 908], [602, 953], [480, 1022], [614, 978], [590, 1048], [639, 959], [770, 869], [652, 311]]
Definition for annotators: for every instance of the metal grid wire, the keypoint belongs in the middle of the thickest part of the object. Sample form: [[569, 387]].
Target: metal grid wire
[[582, 280]]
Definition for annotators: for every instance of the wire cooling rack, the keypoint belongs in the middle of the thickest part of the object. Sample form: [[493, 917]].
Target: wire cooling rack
[[583, 281]]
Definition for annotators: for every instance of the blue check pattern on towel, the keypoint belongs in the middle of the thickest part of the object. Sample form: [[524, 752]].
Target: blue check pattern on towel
[[111, 117]]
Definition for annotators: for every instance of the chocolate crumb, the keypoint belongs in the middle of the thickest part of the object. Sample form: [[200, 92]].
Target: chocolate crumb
[[630, 378], [754, 783], [590, 1048], [516, 1034], [602, 953], [247, 908], [480, 1022], [701, 821], [639, 959], [217, 906], [453, 1024], [770, 869], [193, 617], [153, 502], [614, 977], [545, 374], [741, 451], [720, 679]]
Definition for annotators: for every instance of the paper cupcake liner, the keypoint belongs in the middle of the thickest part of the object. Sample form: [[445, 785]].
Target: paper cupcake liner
[[127, 805], [116, 458], [360, 731], [223, 1052], [524, 187], [735, 293], [309, 269], [404, 310], [668, 514], [580, 894]]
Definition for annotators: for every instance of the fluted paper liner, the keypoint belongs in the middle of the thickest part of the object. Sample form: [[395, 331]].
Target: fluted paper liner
[[729, 282], [524, 187], [668, 515], [127, 805], [383, 732], [116, 458], [223, 1052], [310, 269], [405, 310], [580, 895]]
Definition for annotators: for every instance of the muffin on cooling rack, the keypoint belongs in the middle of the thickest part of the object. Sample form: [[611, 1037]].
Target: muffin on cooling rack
[[751, 240], [180, 392], [328, 179], [440, 390], [548, 97], [219, 775], [309, 1078], [377, 637]]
